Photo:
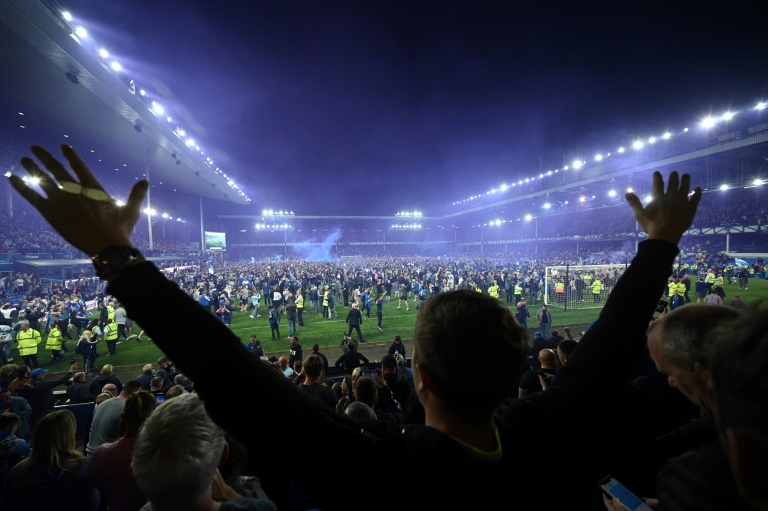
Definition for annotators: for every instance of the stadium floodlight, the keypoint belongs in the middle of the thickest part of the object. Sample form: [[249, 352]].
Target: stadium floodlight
[[612, 193], [761, 105], [504, 187], [637, 145], [81, 32], [757, 182], [723, 187], [667, 135], [576, 164], [582, 199], [549, 172], [520, 182], [115, 65], [652, 140], [528, 218], [685, 130], [564, 168], [598, 157], [727, 116], [648, 198], [621, 150], [157, 108], [189, 142], [66, 15], [497, 222], [149, 211], [165, 215], [547, 205], [708, 122], [119, 202], [104, 53], [630, 190]]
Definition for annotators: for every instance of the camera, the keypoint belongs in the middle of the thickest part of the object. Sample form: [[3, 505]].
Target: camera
[[662, 306]]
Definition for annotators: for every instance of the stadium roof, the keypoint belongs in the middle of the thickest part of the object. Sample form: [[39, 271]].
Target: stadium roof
[[56, 90]]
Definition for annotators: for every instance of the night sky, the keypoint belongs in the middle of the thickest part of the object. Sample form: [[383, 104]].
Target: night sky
[[373, 107]]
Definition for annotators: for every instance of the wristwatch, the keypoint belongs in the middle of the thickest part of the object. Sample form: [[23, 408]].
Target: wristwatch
[[112, 260]]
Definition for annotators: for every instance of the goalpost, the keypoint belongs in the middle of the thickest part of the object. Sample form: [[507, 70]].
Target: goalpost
[[577, 287]]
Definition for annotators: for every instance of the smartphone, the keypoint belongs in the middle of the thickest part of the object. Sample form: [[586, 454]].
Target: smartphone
[[160, 397], [662, 305], [615, 490]]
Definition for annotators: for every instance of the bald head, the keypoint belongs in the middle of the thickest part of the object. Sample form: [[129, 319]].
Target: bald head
[[547, 358]]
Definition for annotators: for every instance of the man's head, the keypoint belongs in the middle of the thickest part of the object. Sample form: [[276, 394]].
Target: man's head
[[443, 325], [283, 362], [156, 383], [548, 358], [389, 364], [164, 363], [5, 396], [79, 377], [294, 340], [313, 367], [676, 342], [38, 374], [736, 358], [132, 387], [148, 369], [110, 388], [315, 347], [366, 390], [179, 430]]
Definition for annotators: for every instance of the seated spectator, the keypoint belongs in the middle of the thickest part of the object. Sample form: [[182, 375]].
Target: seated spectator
[[145, 378], [55, 475], [181, 431], [313, 371], [12, 448], [110, 467], [167, 382], [106, 418], [531, 380], [104, 377], [79, 391], [22, 377], [378, 396], [736, 359], [185, 382], [18, 406], [175, 391], [283, 363], [7, 375], [359, 410]]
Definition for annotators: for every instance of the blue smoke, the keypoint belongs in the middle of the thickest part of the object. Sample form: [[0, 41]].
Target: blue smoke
[[319, 252]]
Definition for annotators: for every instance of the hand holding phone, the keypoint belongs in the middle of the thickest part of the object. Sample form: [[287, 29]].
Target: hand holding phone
[[613, 489]]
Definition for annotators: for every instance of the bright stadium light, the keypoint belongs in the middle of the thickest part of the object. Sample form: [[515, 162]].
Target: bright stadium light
[[81, 32], [708, 122], [612, 193], [149, 211], [504, 187], [115, 65], [723, 187], [576, 164], [727, 116], [104, 53], [630, 190], [547, 205], [652, 140], [761, 105], [666, 136], [528, 217], [637, 144], [66, 15], [157, 108], [497, 222], [757, 182], [582, 199], [598, 157]]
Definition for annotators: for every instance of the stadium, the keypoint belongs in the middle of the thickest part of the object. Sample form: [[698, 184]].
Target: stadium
[[560, 232]]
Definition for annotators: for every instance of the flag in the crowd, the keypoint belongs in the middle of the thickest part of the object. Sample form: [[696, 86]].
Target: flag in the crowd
[[210, 269], [741, 262]]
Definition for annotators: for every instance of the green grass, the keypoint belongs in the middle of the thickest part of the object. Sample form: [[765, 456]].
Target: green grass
[[328, 333]]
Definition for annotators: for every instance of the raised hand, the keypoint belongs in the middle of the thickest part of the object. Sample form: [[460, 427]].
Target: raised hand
[[79, 209], [670, 213]]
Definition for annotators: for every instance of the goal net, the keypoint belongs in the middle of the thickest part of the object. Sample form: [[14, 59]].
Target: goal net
[[580, 287]]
